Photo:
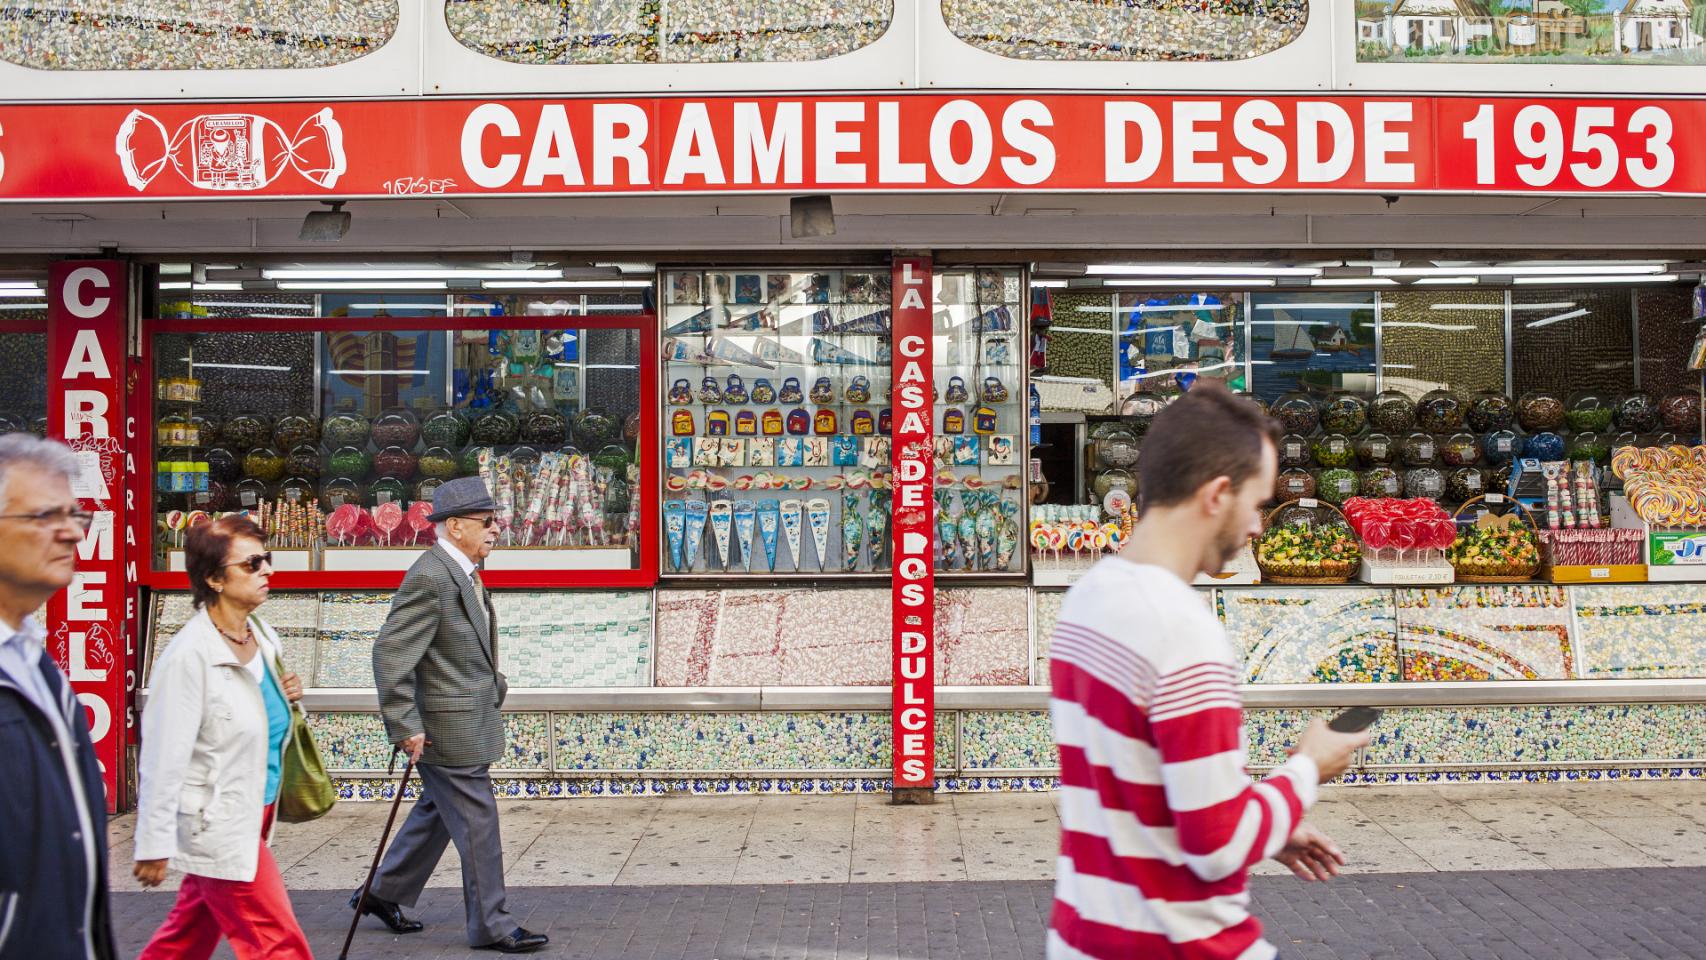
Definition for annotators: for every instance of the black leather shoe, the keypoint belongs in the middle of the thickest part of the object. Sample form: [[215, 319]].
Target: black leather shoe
[[518, 940], [388, 913]]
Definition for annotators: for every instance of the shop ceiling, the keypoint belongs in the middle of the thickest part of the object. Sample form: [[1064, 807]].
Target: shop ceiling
[[660, 226]]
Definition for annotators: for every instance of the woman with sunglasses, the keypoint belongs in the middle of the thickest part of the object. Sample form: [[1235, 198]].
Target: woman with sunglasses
[[212, 735]]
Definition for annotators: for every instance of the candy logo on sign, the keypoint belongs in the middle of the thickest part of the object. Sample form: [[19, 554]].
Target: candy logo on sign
[[231, 151], [914, 586]]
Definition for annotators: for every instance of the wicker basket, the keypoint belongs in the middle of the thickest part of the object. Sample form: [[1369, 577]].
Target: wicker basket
[[1271, 574], [1534, 531]]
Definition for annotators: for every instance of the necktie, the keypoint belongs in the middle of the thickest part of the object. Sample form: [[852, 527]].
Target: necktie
[[491, 616]]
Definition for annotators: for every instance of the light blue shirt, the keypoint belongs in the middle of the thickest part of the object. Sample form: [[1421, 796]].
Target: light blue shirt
[[21, 651], [278, 725]]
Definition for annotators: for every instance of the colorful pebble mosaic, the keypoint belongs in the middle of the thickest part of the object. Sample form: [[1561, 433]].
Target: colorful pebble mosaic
[[1516, 632], [770, 637], [732, 742], [193, 35], [1322, 635], [1015, 740], [1650, 630], [664, 31], [1120, 30], [356, 742], [1045, 613], [1588, 733], [291, 615]]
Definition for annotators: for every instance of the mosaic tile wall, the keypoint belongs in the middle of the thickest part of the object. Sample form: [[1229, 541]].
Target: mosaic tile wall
[[356, 742], [1595, 351], [190, 35], [1045, 612], [1104, 30], [1651, 630], [665, 31], [1475, 632], [1313, 635], [1667, 331], [1540, 735], [833, 637], [733, 742], [1452, 339], [293, 616]]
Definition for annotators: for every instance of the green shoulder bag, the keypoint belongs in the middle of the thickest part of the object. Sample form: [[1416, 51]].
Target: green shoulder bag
[[305, 792]]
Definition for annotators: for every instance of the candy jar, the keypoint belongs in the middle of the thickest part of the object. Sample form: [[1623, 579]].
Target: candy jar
[[296, 489], [1376, 450], [1587, 445], [1428, 482], [1500, 446], [246, 430], [439, 463], [1336, 485], [1418, 450], [593, 430], [1460, 450], [352, 462], [1464, 483], [446, 428], [1109, 480], [396, 462], [1294, 451], [1344, 413], [396, 428], [494, 428], [223, 465], [346, 430], [1392, 412], [1116, 448], [1441, 411], [338, 491], [1637, 411], [545, 427], [264, 464], [1681, 412], [1294, 484], [1297, 412], [1491, 410], [1333, 450], [1140, 409], [303, 460], [1545, 447], [251, 492], [1381, 482], [293, 430], [1589, 410], [1540, 410]]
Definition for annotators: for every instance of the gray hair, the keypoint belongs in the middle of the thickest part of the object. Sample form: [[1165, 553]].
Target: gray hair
[[442, 529], [29, 450]]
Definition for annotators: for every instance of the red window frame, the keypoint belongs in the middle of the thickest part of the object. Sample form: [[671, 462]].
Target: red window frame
[[645, 575]]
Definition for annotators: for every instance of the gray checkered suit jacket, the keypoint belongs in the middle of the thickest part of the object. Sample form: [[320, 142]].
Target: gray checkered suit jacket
[[435, 665]]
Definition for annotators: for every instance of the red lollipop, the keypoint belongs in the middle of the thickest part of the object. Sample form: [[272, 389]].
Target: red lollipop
[[343, 523], [387, 517], [418, 522]]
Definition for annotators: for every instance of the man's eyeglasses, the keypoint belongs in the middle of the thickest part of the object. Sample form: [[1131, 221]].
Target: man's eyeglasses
[[485, 522], [82, 519], [253, 564]]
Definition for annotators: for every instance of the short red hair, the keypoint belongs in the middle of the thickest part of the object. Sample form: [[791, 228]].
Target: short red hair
[[205, 548]]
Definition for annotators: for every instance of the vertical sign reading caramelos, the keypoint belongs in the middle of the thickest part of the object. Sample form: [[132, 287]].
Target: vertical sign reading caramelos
[[87, 623], [914, 583]]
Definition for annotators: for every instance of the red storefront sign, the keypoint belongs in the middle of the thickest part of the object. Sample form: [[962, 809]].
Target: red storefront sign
[[89, 623], [914, 583], [913, 142]]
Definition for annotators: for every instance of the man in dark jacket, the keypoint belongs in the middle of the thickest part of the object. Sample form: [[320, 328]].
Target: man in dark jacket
[[53, 808]]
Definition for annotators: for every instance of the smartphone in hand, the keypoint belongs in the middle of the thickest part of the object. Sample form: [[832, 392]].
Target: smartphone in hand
[[1354, 720]]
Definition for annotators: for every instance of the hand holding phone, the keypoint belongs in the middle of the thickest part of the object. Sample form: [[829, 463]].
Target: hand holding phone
[[1333, 749], [1354, 720]]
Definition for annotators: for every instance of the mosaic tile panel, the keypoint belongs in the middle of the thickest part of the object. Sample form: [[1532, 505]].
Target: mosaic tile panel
[[661, 31], [732, 742], [575, 638], [1665, 317], [1269, 733], [550, 788], [1092, 30], [833, 637], [1313, 635], [1591, 733], [1007, 740], [1450, 339], [292, 615], [349, 624], [1516, 632], [356, 742], [1045, 612], [1646, 630], [188, 35]]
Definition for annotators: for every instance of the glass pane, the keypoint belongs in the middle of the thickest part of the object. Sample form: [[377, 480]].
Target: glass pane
[[1572, 340], [1452, 340], [278, 35], [1655, 32], [1081, 335], [1667, 333], [180, 305], [1118, 30], [337, 440], [666, 31], [1317, 342], [23, 394], [1167, 340]]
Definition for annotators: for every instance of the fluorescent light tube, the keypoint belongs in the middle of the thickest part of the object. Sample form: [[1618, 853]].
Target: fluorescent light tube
[[1197, 269], [366, 286], [1193, 283], [411, 273], [1572, 281]]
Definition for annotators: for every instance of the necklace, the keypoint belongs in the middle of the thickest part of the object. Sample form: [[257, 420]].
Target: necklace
[[248, 636]]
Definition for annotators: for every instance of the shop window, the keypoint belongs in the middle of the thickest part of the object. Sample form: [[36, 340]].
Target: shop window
[[664, 31], [1168, 340], [161, 35], [1119, 31], [1667, 328], [1568, 340], [23, 392], [335, 432], [1434, 340], [1319, 343]]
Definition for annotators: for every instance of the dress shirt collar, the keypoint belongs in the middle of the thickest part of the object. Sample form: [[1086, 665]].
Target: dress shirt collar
[[463, 562]]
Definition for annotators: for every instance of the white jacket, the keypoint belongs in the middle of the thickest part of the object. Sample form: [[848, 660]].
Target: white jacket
[[204, 756]]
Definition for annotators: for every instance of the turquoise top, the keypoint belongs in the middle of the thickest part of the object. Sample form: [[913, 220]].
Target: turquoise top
[[278, 728]]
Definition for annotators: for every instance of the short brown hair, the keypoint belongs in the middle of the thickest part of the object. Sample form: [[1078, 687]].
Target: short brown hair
[[205, 548], [1207, 433]]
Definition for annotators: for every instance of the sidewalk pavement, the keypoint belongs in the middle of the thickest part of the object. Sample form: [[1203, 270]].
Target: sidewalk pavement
[[1601, 870]]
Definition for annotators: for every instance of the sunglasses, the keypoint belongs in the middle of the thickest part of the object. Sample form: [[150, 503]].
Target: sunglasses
[[253, 564], [485, 522]]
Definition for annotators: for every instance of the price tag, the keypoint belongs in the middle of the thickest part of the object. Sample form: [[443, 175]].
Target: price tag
[[1495, 498], [1377, 450], [1502, 445], [1309, 502], [1426, 451], [1293, 451], [1336, 446], [248, 498], [1600, 573], [1345, 484]]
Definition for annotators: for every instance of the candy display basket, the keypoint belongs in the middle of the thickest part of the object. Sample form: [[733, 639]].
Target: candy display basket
[[1604, 555], [1520, 572], [1291, 574]]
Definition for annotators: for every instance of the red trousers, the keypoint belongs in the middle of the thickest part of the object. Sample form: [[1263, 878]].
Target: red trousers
[[256, 917]]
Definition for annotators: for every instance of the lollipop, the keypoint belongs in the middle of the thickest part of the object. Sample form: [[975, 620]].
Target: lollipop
[[416, 517], [387, 517]]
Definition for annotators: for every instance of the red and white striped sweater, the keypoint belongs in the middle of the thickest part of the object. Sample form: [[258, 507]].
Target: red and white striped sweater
[[1159, 820]]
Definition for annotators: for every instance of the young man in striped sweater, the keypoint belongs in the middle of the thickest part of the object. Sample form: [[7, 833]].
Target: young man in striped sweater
[[1160, 823]]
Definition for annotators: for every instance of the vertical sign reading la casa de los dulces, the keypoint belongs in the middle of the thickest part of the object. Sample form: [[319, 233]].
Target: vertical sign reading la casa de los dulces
[[87, 623], [914, 585]]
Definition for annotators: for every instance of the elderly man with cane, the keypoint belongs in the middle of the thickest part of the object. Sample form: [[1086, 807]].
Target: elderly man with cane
[[436, 667]]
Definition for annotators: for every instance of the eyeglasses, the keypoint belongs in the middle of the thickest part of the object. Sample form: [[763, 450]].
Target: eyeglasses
[[485, 522], [253, 564], [82, 519]]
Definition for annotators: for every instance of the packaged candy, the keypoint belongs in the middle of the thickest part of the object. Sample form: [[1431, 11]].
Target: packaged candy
[[763, 392], [717, 423], [735, 392], [792, 514], [722, 529], [746, 516], [694, 535], [680, 393], [231, 151], [822, 391], [791, 392], [772, 423], [994, 391], [769, 520]]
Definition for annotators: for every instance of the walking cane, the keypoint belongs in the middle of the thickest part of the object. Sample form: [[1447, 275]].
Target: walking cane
[[396, 801]]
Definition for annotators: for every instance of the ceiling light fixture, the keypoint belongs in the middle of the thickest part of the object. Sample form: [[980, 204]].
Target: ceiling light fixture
[[1573, 281], [368, 285], [186, 285], [1353, 282], [1194, 283], [1197, 269], [1509, 269], [411, 273], [1547, 321], [567, 285]]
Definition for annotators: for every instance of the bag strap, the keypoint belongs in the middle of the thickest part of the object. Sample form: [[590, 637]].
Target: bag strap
[[261, 627]]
